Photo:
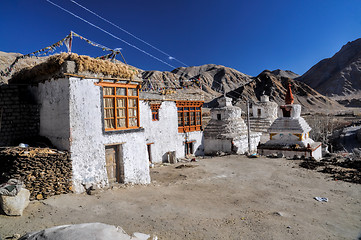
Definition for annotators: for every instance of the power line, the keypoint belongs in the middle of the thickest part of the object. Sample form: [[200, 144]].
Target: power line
[[110, 34], [120, 28]]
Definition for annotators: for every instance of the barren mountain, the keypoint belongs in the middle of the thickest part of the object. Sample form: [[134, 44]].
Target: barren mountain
[[212, 79], [6, 59], [339, 75], [275, 86], [285, 73]]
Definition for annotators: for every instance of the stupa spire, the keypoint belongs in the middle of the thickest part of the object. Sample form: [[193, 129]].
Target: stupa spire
[[289, 96]]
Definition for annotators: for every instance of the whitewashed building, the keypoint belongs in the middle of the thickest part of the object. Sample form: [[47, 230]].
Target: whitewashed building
[[289, 134], [172, 128], [110, 131]]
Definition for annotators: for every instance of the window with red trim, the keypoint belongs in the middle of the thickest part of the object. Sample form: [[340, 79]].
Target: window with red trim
[[121, 106], [189, 116], [155, 111]]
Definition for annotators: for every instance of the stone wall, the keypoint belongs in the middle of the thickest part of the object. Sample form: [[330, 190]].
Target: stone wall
[[45, 172], [19, 115]]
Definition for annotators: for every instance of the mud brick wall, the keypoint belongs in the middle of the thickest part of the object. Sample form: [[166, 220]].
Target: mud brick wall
[[45, 172], [19, 114]]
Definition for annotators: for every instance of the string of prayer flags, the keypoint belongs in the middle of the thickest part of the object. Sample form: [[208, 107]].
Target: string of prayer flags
[[67, 41], [91, 42]]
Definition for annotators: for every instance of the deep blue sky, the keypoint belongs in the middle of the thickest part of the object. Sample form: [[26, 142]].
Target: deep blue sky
[[249, 36]]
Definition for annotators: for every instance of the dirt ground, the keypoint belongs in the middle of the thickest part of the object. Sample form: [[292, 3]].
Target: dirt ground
[[230, 197]]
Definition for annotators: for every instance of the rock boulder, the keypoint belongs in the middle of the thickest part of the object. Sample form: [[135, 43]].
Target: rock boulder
[[15, 205]]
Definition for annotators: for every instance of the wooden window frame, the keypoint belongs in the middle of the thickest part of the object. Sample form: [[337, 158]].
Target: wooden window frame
[[188, 113], [155, 111], [127, 97]]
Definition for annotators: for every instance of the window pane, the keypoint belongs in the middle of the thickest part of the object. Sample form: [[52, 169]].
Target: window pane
[[193, 116], [132, 122], [120, 112], [121, 122], [132, 102], [186, 109], [180, 119], [180, 109], [109, 123], [108, 91], [198, 117], [109, 113], [198, 108], [186, 119], [121, 91], [108, 102], [132, 112], [120, 102], [132, 92], [192, 108], [155, 116]]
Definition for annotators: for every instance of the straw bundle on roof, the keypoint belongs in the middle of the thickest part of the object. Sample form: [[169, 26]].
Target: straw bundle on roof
[[83, 64], [86, 63]]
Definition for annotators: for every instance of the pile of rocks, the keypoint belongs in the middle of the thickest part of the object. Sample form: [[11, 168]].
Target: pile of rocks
[[45, 172]]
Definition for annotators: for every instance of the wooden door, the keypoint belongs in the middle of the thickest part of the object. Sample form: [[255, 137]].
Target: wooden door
[[111, 163]]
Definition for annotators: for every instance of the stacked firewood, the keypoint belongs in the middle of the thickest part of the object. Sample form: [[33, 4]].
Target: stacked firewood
[[45, 172]]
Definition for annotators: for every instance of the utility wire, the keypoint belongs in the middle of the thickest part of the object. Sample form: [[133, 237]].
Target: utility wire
[[110, 34], [120, 28]]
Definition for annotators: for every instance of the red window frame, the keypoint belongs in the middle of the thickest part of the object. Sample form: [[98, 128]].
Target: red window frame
[[189, 116], [155, 111]]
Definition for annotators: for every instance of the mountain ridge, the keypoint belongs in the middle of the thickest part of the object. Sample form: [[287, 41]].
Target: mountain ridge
[[339, 75]]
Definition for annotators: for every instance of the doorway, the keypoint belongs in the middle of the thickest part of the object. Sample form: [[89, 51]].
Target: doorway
[[114, 163], [189, 148], [149, 150]]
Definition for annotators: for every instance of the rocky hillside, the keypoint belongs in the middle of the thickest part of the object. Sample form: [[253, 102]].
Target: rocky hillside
[[6, 59], [274, 85], [285, 73], [212, 79], [216, 79], [339, 75]]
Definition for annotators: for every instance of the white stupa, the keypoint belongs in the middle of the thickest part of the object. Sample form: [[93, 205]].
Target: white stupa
[[226, 131], [289, 134], [264, 113]]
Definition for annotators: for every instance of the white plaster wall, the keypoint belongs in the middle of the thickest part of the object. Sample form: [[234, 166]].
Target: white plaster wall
[[212, 146], [88, 140], [268, 110], [317, 153], [198, 146], [296, 110], [242, 143], [53, 97], [164, 133], [227, 113], [287, 138]]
